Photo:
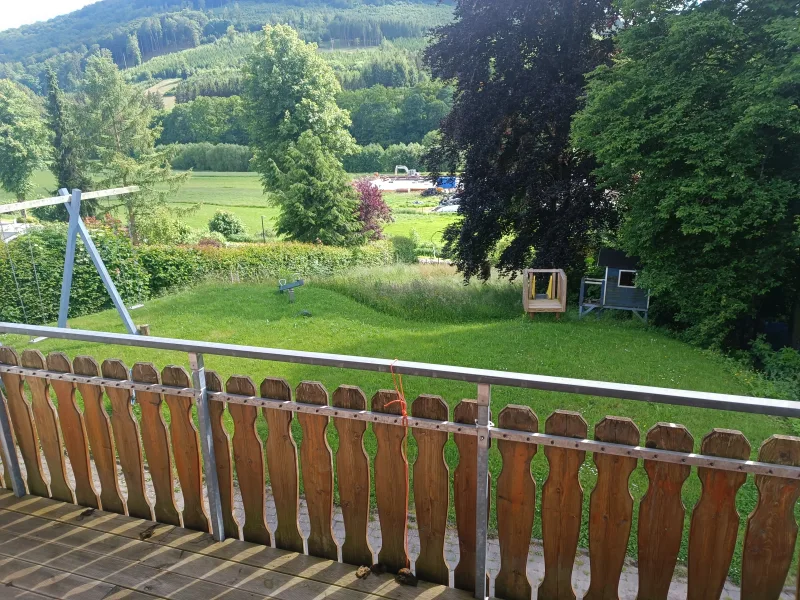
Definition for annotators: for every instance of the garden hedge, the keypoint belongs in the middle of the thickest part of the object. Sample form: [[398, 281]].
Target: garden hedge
[[146, 271]]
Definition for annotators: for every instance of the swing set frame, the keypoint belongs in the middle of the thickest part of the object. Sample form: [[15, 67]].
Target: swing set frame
[[77, 227]]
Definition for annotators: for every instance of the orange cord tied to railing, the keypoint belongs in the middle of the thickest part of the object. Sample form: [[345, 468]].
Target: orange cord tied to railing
[[397, 380]]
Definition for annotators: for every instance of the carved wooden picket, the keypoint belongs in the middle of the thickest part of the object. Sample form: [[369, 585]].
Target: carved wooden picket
[[352, 466], [50, 438], [391, 483], [283, 466], [157, 446], [127, 439], [431, 490], [661, 512], [60, 423], [317, 465], [74, 429], [22, 421], [98, 430], [248, 456]]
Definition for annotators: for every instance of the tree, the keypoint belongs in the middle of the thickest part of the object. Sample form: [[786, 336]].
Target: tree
[[66, 162], [133, 53], [298, 135], [373, 212], [120, 143], [696, 126], [317, 201], [23, 138], [519, 67]]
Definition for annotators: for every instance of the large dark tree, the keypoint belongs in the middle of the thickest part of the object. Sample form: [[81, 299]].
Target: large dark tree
[[519, 68]]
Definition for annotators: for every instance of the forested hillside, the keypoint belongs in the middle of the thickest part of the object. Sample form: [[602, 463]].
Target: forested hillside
[[135, 31], [188, 57]]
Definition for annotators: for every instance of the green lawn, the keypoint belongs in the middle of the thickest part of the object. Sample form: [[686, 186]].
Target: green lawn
[[43, 185], [392, 314], [242, 194]]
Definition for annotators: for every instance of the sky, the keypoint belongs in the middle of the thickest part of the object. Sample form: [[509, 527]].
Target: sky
[[22, 12]]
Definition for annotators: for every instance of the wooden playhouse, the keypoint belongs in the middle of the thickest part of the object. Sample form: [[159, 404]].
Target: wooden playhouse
[[544, 291]]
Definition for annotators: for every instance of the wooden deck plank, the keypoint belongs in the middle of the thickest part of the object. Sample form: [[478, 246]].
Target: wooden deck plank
[[25, 579], [115, 571], [166, 537], [95, 547]]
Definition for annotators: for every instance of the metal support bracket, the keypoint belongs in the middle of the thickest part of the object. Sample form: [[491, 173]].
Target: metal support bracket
[[76, 227], [197, 365], [482, 490], [9, 451]]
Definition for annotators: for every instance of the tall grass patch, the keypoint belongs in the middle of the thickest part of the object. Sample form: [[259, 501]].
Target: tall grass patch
[[428, 293]]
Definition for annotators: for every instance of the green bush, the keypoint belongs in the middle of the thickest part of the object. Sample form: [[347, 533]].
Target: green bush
[[405, 249], [409, 155], [226, 223], [365, 159], [780, 369]]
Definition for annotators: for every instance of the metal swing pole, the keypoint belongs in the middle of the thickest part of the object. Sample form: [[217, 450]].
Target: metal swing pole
[[76, 227]]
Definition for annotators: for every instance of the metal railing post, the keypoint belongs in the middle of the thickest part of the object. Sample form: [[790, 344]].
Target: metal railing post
[[197, 364], [482, 491], [10, 460], [74, 210]]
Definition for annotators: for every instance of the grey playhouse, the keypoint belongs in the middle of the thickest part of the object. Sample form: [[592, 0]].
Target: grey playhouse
[[617, 290]]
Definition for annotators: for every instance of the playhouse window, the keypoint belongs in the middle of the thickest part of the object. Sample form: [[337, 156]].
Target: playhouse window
[[627, 279]]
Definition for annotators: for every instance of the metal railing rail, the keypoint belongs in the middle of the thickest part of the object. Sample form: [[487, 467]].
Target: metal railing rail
[[765, 406], [541, 439], [483, 428]]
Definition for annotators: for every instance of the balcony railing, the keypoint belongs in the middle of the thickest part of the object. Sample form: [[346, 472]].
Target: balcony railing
[[206, 460]]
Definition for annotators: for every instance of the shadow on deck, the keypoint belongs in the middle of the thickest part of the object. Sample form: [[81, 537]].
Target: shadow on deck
[[49, 549]]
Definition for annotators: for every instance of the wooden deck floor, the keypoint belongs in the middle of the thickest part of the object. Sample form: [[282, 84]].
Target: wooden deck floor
[[49, 549]]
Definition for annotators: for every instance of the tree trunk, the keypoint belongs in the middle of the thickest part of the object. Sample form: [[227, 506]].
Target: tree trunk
[[796, 326], [132, 226]]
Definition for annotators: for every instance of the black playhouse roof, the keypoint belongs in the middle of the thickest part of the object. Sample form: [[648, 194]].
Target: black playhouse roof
[[617, 259]]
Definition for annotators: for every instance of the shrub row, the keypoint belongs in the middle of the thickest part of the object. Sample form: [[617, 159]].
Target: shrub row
[[205, 156], [146, 271], [373, 158], [180, 266], [20, 301]]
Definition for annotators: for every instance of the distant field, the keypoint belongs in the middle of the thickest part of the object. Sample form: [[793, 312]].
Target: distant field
[[242, 194], [162, 88]]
